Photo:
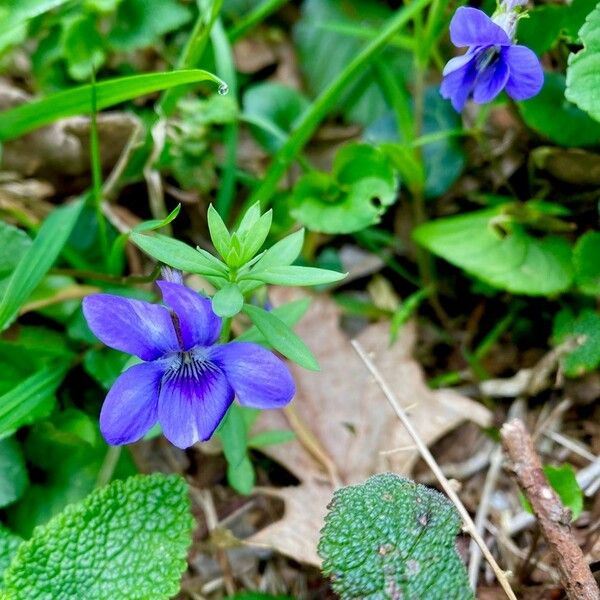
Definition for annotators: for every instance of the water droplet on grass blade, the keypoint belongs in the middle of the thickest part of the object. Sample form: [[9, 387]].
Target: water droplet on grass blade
[[223, 89]]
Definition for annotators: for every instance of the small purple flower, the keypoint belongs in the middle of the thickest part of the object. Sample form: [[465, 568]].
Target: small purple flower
[[187, 381], [492, 62]]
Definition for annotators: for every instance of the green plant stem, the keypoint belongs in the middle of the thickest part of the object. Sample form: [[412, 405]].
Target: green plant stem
[[366, 33], [225, 330], [97, 173], [319, 109], [226, 70], [109, 465], [191, 55], [253, 18]]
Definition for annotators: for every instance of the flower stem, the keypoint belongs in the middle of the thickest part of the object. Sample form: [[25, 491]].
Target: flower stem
[[225, 330], [108, 466]]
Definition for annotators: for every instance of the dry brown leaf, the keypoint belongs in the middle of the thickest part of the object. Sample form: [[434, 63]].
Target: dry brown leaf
[[350, 421]]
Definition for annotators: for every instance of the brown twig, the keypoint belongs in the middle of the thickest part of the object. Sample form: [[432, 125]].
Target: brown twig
[[552, 517], [432, 464]]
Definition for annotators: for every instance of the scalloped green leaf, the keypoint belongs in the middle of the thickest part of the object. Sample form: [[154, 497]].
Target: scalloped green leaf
[[392, 538], [128, 540], [583, 72], [512, 260], [9, 542], [358, 191]]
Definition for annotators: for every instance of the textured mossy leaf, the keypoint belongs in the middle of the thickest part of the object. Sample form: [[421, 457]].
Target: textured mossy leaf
[[586, 328], [128, 540], [511, 260], [583, 73], [9, 542], [391, 538]]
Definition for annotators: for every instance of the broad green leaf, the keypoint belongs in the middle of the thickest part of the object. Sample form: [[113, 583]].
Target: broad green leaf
[[36, 262], [154, 224], [141, 23], [583, 72], [296, 276], [554, 117], [9, 543], [232, 432], [128, 540], [219, 234], [277, 105], [283, 253], [361, 187], [271, 438], [13, 473], [586, 257], [281, 337], [391, 537], [564, 482], [14, 13], [27, 117], [30, 400], [324, 53], [510, 260], [83, 47], [289, 313], [179, 255], [585, 328], [228, 301]]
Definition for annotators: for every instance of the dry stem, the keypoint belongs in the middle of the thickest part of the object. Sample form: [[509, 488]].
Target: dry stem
[[553, 518], [428, 458]]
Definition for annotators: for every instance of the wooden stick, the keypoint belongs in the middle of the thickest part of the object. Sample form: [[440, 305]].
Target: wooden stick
[[431, 462], [552, 516]]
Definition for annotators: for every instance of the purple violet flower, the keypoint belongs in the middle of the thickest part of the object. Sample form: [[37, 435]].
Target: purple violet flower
[[187, 381], [492, 62]]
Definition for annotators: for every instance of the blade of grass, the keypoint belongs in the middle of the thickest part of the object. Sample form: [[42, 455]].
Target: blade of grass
[[36, 262], [253, 18], [27, 117], [311, 119]]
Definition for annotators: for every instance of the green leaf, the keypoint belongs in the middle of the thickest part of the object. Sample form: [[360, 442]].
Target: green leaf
[[281, 337], [554, 117], [276, 105], [13, 473], [141, 23], [586, 257], [242, 477], [586, 329], [179, 255], [295, 276], [289, 313], [360, 188], [510, 260], [391, 537], [232, 433], [38, 259], [14, 243], [219, 234], [254, 239], [154, 224], [283, 253], [583, 72], [564, 482], [104, 365], [257, 596], [15, 13], [541, 29], [271, 438], [128, 540], [83, 47], [37, 113], [9, 543], [30, 400], [228, 301]]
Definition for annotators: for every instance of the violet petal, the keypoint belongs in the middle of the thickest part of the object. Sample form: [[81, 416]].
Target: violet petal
[[472, 27], [193, 400], [258, 377], [199, 325], [131, 406], [526, 76], [132, 326], [490, 81]]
